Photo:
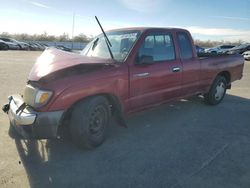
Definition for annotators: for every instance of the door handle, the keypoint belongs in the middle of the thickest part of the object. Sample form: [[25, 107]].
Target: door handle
[[141, 74], [176, 69]]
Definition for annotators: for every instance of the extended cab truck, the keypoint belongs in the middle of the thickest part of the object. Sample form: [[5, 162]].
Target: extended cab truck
[[142, 67]]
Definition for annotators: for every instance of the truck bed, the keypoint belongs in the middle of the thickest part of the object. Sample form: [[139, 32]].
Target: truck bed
[[211, 55]]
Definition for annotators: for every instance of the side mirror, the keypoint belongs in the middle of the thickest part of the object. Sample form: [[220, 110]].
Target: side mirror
[[145, 60]]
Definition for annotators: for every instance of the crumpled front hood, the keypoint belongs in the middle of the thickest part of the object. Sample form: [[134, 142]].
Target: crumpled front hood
[[53, 60]]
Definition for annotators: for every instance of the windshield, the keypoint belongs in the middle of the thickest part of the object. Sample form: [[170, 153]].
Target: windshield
[[121, 41]]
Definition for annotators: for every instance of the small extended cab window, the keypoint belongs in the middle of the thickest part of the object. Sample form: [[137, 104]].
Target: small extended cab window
[[159, 46], [186, 51]]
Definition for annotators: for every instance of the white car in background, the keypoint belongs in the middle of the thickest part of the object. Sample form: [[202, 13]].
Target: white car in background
[[246, 55], [8, 45], [22, 45], [219, 49]]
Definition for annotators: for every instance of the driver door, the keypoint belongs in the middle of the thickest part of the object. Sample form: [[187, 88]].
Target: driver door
[[157, 81]]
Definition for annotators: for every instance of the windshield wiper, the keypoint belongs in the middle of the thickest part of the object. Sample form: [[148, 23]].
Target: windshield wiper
[[106, 39]]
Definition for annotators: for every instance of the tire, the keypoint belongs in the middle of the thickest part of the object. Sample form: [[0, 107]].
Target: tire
[[217, 91], [13, 133], [89, 121], [5, 47]]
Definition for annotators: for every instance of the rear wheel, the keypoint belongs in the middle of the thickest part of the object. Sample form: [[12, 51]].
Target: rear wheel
[[89, 121], [5, 47], [217, 91]]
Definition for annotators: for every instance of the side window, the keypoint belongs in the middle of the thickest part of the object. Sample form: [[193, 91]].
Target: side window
[[159, 46], [149, 42], [185, 46]]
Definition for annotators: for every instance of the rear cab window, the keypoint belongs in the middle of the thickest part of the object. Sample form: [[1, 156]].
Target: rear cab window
[[186, 50]]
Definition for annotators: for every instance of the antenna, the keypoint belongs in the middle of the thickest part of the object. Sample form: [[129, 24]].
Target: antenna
[[103, 31], [106, 39]]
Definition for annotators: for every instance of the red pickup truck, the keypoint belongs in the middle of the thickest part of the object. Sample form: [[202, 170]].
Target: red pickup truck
[[136, 69]]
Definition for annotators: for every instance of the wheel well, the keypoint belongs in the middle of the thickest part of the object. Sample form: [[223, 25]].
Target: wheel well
[[115, 105], [226, 75]]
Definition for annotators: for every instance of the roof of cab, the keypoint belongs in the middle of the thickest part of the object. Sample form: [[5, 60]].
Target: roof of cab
[[143, 29]]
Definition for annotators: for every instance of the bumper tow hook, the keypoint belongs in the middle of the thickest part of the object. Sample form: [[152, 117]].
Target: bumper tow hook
[[6, 107]]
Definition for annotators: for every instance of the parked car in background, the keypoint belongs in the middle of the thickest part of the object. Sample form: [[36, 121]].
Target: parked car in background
[[22, 45], [8, 45], [36, 46], [219, 49], [33, 46], [44, 45], [41, 46], [3, 45], [199, 49], [246, 55], [61, 47], [239, 49]]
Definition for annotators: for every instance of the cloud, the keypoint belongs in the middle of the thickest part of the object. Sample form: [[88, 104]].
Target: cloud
[[217, 31], [231, 18], [224, 33], [142, 5], [39, 4]]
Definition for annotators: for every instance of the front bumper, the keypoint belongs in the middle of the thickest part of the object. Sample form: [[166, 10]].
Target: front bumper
[[30, 123]]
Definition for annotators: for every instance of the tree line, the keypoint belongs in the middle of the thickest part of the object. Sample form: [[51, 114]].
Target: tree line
[[46, 37]]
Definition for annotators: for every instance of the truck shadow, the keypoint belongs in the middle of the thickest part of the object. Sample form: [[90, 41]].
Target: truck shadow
[[159, 148]]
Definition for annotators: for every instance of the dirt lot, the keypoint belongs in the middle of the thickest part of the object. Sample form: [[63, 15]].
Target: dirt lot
[[183, 144]]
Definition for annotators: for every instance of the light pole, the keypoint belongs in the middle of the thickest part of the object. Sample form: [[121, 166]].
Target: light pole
[[73, 28]]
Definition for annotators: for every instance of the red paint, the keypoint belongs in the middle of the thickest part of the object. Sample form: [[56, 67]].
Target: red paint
[[53, 60]]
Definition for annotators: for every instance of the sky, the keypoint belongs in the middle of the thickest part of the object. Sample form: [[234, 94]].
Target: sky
[[227, 20]]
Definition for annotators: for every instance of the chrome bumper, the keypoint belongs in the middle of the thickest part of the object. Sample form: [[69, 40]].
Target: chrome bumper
[[26, 116], [30, 123]]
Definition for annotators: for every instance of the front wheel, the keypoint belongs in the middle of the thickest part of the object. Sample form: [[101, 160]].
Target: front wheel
[[217, 91], [5, 47], [89, 121]]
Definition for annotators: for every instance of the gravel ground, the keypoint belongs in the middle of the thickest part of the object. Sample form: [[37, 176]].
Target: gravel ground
[[182, 144]]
